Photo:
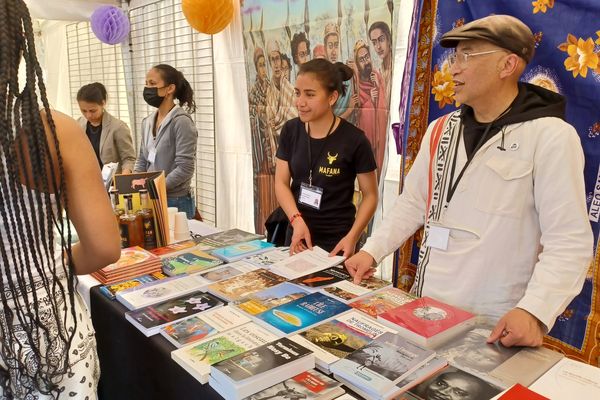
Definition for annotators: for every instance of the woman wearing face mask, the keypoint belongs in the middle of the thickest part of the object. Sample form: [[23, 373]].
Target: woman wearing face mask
[[109, 136], [169, 135], [322, 155]]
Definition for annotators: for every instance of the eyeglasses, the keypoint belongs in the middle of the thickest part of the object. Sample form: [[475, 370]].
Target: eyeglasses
[[461, 59], [302, 54], [381, 40]]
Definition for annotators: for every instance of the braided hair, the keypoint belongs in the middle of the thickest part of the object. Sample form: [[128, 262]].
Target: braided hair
[[36, 300]]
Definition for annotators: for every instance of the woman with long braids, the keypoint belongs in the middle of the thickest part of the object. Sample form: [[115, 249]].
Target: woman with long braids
[[169, 134], [47, 169]]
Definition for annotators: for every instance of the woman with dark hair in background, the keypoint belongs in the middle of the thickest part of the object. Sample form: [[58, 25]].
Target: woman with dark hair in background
[[169, 134], [321, 155], [47, 169], [110, 137]]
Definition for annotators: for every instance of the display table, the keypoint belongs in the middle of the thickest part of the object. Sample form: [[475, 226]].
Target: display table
[[134, 366]]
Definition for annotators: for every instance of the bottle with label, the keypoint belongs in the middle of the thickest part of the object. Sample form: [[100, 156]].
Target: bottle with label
[[114, 199], [147, 216], [130, 224]]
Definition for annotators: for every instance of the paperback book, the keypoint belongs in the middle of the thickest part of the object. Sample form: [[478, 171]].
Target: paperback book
[[347, 291], [255, 370], [499, 365], [519, 392], [111, 291], [226, 238], [189, 262], [427, 321], [173, 248], [150, 319], [306, 262], [339, 337], [377, 303], [379, 365], [202, 325], [160, 290], [569, 379], [310, 385], [238, 251], [324, 277], [227, 271], [452, 380], [235, 288], [264, 300], [134, 262], [196, 358], [268, 258], [301, 314]]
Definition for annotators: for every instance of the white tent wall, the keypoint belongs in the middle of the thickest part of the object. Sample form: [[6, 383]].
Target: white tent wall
[[233, 159]]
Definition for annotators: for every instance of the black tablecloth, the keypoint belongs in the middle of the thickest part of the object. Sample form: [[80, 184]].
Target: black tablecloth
[[134, 366]]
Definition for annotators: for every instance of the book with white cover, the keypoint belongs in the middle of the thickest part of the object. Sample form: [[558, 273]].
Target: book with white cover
[[339, 337], [305, 262], [196, 358], [197, 327], [158, 291], [227, 271], [569, 379], [256, 369], [266, 259], [347, 290], [382, 363]]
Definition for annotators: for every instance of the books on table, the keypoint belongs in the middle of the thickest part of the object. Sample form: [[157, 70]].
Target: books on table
[[519, 392], [347, 291], [111, 290], [254, 370], [301, 314], [199, 326], [151, 318], [158, 291], [196, 358], [310, 385], [499, 365], [379, 365], [134, 261], [377, 303], [268, 258], [173, 248], [306, 262], [238, 251], [339, 337], [266, 299], [227, 271], [226, 238], [189, 262], [235, 288], [455, 381], [569, 379], [427, 321], [324, 277]]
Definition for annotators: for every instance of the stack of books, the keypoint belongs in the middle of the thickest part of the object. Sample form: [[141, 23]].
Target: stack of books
[[310, 385], [134, 262]]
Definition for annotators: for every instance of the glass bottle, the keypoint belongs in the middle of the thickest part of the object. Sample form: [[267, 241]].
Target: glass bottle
[[147, 216], [130, 225], [114, 199]]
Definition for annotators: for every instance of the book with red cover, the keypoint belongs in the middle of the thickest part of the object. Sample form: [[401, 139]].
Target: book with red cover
[[520, 392], [427, 321]]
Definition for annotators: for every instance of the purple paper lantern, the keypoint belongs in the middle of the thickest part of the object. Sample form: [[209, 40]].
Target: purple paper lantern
[[110, 24]]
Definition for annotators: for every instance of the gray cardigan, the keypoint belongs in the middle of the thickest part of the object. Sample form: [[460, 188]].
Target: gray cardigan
[[116, 144], [175, 144]]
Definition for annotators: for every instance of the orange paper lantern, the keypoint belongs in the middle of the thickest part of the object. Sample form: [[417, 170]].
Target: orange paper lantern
[[208, 16]]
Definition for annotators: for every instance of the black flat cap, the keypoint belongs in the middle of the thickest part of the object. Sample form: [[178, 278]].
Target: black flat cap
[[504, 31]]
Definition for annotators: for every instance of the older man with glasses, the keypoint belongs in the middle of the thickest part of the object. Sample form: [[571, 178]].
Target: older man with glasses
[[498, 186]]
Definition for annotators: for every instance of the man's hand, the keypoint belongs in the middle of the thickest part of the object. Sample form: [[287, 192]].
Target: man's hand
[[347, 245], [518, 328], [300, 236], [374, 95], [360, 266]]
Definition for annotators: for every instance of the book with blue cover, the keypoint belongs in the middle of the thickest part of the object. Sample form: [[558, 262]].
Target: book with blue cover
[[274, 296], [241, 250], [189, 262], [302, 313]]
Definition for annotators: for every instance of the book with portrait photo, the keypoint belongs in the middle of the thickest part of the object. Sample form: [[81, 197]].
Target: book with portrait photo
[[453, 382], [380, 364]]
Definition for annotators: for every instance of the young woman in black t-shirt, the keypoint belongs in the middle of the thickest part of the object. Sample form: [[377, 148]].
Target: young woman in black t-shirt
[[318, 159]]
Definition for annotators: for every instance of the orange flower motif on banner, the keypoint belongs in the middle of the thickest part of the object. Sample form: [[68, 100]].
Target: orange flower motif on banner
[[442, 86], [581, 55], [542, 5]]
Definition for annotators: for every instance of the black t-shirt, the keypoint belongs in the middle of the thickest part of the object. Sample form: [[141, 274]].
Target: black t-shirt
[[336, 161], [93, 133]]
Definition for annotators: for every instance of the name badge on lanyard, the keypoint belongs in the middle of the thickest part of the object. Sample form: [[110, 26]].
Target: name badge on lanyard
[[310, 195]]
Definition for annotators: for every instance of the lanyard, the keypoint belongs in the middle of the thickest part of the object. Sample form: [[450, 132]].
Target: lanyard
[[480, 143], [311, 166]]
